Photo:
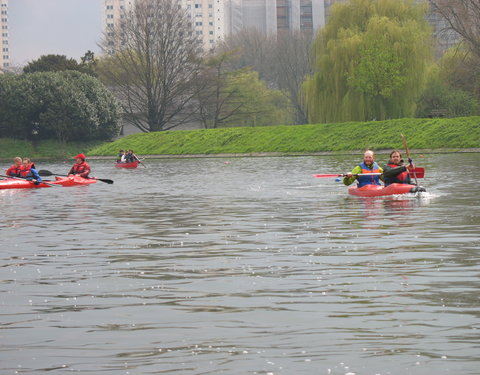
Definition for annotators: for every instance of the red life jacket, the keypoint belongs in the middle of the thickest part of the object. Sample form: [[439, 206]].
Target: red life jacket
[[82, 168], [401, 178], [14, 171], [25, 170]]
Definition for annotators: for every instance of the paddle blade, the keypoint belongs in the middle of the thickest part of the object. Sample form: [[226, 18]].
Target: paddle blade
[[106, 180], [326, 175], [418, 172], [43, 172]]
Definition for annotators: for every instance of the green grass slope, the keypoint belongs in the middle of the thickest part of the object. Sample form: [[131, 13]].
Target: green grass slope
[[455, 133]]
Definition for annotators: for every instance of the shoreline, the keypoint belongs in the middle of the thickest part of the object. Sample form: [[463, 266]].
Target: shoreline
[[291, 154], [267, 154]]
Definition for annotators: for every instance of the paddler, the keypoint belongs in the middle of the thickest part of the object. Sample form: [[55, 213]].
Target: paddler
[[81, 167], [15, 169], [29, 172], [396, 172], [369, 165]]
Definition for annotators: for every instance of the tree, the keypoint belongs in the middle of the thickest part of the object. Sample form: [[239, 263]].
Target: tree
[[64, 105], [453, 85], [459, 70], [439, 95], [252, 103], [212, 95], [60, 63], [282, 61], [369, 61], [291, 65], [51, 63], [463, 17], [154, 64]]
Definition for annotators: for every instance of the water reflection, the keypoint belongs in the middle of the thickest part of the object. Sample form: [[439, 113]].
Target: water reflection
[[249, 266]]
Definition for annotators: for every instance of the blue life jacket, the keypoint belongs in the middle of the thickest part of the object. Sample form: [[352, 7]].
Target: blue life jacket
[[369, 180]]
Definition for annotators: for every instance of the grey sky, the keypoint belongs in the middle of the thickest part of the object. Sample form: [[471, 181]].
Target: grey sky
[[42, 27]]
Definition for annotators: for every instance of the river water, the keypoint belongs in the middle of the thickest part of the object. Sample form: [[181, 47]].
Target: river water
[[241, 266]]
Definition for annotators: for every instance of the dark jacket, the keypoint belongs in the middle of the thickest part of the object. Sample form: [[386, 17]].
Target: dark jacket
[[396, 174]]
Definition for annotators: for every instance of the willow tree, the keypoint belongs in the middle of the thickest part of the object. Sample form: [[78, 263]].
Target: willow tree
[[369, 61]]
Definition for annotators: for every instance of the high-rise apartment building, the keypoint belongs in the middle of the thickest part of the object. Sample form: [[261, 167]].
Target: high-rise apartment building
[[207, 18], [4, 49], [212, 20], [273, 16]]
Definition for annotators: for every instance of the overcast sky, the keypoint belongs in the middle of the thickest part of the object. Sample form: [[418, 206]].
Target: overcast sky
[[63, 27]]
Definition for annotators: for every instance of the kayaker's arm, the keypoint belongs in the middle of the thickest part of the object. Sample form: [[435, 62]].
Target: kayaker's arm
[[349, 180], [382, 176], [390, 172], [35, 176]]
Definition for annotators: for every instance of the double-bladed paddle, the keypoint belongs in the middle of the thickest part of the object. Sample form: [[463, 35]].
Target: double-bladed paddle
[[409, 158], [418, 171], [44, 172], [143, 165]]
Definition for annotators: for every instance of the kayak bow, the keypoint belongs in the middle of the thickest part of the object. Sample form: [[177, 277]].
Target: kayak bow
[[378, 190]]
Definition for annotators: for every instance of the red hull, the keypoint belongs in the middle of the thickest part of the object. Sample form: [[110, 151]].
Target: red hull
[[378, 191], [13, 183], [133, 164]]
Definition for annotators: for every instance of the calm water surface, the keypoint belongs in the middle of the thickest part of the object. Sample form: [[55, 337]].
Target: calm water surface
[[241, 266]]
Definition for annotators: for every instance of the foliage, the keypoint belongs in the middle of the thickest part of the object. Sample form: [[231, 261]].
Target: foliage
[[370, 61], [59, 63], [66, 105], [440, 96], [153, 64], [459, 69], [354, 136], [282, 61], [248, 102], [10, 148]]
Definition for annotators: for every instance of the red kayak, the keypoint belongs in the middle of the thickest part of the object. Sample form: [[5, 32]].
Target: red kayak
[[73, 181], [17, 183], [378, 190], [133, 164]]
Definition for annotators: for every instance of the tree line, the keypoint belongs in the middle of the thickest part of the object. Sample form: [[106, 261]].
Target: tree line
[[374, 59]]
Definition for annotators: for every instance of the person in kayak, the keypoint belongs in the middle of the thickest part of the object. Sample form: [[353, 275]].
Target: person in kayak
[[131, 157], [369, 165], [120, 156], [29, 172], [396, 172], [15, 169], [81, 167]]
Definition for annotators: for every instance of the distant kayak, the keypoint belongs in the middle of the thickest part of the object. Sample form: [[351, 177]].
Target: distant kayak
[[133, 164], [378, 191], [15, 183]]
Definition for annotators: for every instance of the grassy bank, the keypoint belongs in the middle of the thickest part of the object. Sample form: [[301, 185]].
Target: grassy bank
[[9, 148], [455, 133], [449, 134]]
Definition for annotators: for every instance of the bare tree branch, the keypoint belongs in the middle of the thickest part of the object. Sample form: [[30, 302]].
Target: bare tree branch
[[462, 17], [156, 59]]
